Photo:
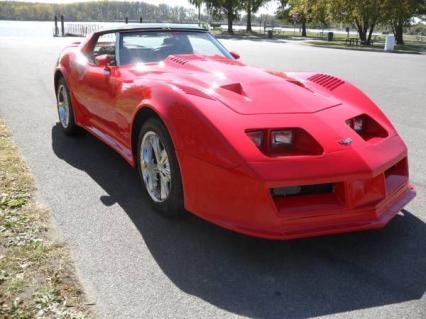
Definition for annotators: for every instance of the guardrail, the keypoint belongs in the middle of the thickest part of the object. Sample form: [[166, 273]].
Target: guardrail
[[77, 29]]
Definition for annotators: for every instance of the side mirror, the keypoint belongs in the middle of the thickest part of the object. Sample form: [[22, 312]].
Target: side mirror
[[103, 60], [235, 55]]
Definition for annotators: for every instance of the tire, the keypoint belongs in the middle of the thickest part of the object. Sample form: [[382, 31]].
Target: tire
[[159, 169], [65, 108]]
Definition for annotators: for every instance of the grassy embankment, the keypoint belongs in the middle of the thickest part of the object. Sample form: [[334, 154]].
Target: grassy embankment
[[37, 279]]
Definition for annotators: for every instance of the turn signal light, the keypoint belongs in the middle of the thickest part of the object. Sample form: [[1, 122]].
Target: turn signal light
[[256, 137]]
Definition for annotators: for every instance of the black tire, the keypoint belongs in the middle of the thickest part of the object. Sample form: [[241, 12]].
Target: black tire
[[68, 126], [172, 206]]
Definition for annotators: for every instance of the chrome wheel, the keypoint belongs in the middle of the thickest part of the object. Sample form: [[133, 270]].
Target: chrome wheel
[[63, 106], [155, 167]]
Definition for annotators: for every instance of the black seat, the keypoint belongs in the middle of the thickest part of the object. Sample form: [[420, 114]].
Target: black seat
[[177, 45]]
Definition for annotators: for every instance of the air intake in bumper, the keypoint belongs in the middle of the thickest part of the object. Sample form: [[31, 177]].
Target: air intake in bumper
[[302, 190]]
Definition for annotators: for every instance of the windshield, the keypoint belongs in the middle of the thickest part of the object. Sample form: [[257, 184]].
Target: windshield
[[150, 46]]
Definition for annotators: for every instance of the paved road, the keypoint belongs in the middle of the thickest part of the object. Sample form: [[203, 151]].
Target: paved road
[[136, 264]]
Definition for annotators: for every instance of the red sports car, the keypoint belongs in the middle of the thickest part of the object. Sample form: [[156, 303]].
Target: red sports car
[[265, 153]]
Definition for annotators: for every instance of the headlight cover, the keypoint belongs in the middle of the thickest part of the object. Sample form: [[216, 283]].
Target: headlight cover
[[367, 127], [284, 142]]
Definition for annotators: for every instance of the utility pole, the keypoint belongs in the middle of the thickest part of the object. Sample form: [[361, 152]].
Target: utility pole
[[56, 27], [199, 13], [62, 26]]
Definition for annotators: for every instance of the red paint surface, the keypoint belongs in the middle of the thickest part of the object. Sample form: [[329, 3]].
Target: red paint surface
[[208, 104]]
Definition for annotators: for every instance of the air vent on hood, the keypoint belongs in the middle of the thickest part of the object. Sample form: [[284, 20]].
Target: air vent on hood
[[178, 60], [234, 87], [327, 81]]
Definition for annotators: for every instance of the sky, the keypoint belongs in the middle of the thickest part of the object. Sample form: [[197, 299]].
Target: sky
[[269, 8]]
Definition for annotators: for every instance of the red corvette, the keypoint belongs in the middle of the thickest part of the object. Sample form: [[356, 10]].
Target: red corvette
[[269, 154]]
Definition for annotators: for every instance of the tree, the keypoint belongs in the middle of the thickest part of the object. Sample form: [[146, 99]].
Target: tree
[[227, 7], [365, 14], [399, 14], [283, 10], [319, 12], [299, 12], [198, 4], [421, 10], [251, 6], [305, 11]]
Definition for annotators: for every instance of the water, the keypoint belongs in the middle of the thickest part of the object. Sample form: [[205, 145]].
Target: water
[[35, 29], [40, 29]]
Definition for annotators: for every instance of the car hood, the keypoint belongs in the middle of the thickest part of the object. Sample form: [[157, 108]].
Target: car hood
[[245, 89]]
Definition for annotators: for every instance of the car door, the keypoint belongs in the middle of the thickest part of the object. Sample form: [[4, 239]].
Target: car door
[[98, 86]]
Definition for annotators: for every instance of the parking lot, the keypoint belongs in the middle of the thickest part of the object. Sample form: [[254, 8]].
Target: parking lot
[[136, 264]]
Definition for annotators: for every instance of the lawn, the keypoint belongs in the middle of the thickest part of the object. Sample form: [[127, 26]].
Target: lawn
[[408, 47], [413, 43], [37, 278]]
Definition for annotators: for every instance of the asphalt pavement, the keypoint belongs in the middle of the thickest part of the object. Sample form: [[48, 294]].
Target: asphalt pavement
[[136, 264]]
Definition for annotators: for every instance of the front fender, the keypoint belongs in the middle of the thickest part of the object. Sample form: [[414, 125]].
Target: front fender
[[192, 132]]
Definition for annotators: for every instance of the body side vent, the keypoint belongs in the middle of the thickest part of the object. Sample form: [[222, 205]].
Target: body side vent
[[329, 82]]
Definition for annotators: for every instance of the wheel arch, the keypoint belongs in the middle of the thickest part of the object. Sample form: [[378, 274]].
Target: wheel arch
[[61, 72], [58, 74], [143, 114]]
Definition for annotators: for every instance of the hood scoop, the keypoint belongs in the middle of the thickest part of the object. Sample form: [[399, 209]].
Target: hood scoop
[[234, 87], [327, 81], [272, 98]]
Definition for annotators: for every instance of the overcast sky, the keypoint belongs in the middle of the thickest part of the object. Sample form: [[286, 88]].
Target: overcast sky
[[269, 8]]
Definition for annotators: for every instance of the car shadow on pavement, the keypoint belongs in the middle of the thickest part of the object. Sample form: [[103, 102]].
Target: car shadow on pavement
[[262, 278]]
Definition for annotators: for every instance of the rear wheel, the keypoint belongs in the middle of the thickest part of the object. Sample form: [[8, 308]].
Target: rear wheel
[[159, 169], [65, 109]]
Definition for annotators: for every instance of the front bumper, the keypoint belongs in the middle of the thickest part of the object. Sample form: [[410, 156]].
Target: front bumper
[[357, 220], [369, 187]]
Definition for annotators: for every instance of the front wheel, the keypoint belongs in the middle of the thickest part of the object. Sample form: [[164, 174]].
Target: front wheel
[[65, 109], [159, 169]]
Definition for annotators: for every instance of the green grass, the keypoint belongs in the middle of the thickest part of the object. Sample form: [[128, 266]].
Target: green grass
[[412, 42], [36, 274], [412, 46], [15, 286]]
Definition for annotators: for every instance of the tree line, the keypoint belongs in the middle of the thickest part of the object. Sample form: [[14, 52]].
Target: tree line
[[364, 15], [230, 10], [96, 11]]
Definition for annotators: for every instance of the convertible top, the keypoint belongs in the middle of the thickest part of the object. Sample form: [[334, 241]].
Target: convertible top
[[151, 27]]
